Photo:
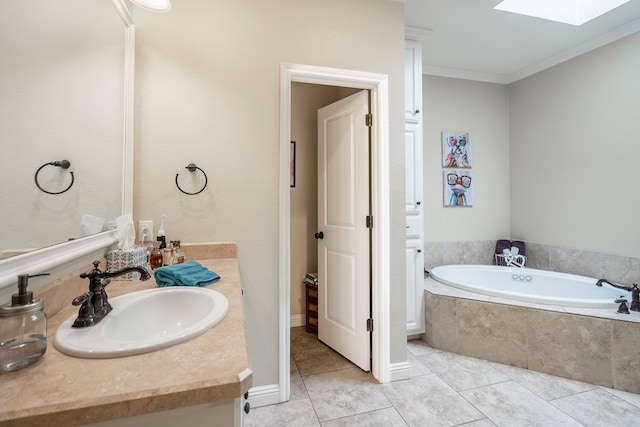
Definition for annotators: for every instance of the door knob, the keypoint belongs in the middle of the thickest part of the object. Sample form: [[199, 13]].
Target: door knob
[[319, 235]]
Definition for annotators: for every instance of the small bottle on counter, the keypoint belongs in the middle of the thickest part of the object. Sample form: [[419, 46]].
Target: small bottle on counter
[[155, 259], [178, 256], [167, 255]]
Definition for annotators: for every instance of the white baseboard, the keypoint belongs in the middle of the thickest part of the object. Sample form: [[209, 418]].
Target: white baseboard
[[400, 371], [298, 320], [264, 395], [270, 394]]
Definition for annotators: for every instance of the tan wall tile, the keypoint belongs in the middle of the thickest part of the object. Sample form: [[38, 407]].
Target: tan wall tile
[[440, 322], [570, 346], [625, 356], [493, 332]]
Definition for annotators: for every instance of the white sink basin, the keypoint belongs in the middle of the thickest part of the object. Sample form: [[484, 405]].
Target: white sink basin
[[145, 321]]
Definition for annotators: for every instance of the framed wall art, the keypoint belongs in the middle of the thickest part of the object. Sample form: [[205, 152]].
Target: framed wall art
[[456, 150], [458, 188]]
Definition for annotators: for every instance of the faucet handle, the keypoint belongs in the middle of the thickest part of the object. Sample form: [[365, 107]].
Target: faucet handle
[[82, 298], [93, 273], [623, 306]]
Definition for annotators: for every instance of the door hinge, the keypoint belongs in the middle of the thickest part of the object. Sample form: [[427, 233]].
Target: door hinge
[[369, 222], [369, 325], [368, 119]]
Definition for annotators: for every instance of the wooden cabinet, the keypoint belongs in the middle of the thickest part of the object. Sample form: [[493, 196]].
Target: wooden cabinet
[[312, 308]]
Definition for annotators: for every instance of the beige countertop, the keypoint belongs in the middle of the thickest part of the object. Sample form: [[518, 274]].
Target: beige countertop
[[67, 391]]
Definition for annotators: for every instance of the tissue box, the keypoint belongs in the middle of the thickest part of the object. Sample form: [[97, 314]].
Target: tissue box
[[120, 258]]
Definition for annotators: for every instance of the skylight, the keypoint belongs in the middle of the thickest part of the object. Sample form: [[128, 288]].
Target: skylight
[[574, 12]]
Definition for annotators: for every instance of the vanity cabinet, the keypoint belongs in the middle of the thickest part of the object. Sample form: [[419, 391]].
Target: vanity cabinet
[[225, 413], [210, 372]]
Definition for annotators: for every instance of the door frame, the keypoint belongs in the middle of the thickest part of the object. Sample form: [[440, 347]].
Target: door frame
[[377, 84]]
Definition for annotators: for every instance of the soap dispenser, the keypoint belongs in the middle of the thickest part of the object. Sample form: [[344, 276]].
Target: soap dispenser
[[23, 328]]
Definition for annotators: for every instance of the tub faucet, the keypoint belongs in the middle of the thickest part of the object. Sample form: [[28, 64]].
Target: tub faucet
[[601, 281], [94, 305], [635, 298]]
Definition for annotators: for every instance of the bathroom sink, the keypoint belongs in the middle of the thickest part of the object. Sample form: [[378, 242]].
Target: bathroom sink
[[145, 321]]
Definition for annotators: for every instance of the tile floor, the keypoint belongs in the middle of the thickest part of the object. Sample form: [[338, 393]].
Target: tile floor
[[445, 389]]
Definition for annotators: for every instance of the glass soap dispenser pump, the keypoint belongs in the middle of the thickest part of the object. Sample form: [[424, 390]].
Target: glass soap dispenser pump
[[23, 328]]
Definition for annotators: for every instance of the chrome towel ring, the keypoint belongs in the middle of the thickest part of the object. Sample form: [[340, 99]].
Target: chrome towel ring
[[192, 168], [64, 164]]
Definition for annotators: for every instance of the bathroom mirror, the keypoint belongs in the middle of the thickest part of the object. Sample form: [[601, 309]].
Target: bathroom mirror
[[66, 93]]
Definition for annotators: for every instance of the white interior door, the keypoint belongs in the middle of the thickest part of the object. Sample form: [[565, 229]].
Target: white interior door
[[344, 245]]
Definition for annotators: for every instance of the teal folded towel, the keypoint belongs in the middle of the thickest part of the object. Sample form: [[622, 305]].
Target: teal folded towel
[[190, 273]]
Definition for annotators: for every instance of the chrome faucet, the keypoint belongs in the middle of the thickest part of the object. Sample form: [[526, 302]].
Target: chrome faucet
[[94, 305]]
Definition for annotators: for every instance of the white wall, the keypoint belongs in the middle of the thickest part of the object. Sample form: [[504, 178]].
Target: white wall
[[483, 110], [207, 91], [574, 149]]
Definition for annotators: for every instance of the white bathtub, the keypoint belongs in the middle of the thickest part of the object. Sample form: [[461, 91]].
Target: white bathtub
[[529, 285]]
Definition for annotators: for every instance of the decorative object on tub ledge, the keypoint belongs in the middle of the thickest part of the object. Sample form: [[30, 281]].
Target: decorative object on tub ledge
[[193, 168], [190, 273], [64, 164], [510, 253]]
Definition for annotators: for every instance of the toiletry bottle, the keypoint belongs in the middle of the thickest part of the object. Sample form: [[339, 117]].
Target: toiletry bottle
[[161, 236], [155, 260], [178, 257], [167, 255], [23, 329]]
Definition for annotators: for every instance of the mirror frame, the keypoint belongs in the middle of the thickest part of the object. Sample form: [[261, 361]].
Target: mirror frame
[[44, 259]]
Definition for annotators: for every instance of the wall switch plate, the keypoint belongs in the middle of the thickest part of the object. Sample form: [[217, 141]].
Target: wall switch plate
[[145, 231]]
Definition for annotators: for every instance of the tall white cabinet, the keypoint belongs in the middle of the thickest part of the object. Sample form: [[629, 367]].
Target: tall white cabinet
[[414, 186]]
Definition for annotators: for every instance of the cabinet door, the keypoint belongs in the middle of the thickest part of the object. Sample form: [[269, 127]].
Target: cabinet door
[[415, 287], [413, 169], [412, 81], [414, 186]]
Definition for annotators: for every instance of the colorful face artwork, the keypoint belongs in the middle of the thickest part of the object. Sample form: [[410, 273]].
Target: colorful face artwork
[[459, 184], [457, 157]]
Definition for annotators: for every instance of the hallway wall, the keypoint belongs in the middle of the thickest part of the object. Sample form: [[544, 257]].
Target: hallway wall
[[208, 92]]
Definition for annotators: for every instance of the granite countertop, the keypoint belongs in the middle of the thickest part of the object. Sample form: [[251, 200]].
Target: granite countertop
[[68, 391]]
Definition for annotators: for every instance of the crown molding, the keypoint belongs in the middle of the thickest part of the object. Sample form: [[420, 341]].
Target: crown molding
[[416, 33], [595, 43], [602, 40], [455, 73]]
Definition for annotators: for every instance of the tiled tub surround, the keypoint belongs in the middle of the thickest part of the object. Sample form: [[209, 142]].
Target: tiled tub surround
[[66, 391], [597, 346], [620, 269]]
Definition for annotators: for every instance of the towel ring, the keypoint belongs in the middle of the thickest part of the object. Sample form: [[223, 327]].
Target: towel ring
[[64, 164], [192, 168]]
